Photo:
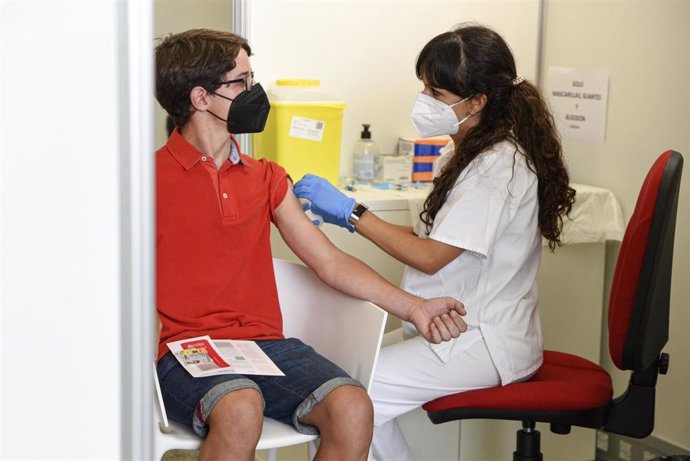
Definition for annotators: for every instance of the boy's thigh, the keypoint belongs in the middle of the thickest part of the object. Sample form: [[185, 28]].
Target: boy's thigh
[[309, 379], [189, 400]]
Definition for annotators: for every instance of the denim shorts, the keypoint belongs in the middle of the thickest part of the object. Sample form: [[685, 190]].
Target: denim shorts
[[308, 379]]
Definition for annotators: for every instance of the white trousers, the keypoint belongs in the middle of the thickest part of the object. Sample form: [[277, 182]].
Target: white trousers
[[409, 374]]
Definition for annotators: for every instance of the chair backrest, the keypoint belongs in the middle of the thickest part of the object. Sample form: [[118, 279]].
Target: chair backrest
[[346, 330], [640, 291]]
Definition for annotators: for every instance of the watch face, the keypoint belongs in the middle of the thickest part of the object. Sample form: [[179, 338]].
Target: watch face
[[357, 213]]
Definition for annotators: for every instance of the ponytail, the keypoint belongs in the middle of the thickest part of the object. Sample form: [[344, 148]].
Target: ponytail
[[533, 128]]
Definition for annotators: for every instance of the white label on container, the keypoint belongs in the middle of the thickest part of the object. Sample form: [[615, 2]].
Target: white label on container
[[307, 128], [394, 168]]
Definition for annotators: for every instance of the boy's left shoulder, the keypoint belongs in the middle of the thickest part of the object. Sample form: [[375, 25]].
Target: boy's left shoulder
[[256, 165], [261, 163], [263, 167]]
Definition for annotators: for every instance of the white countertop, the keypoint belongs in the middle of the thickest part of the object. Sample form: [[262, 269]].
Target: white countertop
[[389, 199], [596, 215]]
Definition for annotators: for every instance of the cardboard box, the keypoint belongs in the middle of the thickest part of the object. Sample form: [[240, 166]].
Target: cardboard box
[[424, 152]]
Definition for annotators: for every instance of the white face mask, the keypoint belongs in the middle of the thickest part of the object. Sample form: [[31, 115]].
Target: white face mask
[[432, 117]]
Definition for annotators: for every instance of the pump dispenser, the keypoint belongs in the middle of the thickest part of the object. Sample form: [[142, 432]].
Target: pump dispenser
[[366, 134], [364, 156]]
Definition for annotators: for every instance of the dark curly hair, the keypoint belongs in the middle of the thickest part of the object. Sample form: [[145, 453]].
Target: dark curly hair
[[197, 57], [474, 60]]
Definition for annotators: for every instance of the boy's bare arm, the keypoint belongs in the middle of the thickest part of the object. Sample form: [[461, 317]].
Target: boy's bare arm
[[437, 319]]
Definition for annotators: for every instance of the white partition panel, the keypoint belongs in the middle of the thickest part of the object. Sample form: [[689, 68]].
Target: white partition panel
[[64, 151]]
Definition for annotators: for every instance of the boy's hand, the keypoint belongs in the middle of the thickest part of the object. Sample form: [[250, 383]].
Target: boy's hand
[[439, 319]]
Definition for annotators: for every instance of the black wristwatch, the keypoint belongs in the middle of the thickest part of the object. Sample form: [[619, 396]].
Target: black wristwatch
[[356, 214]]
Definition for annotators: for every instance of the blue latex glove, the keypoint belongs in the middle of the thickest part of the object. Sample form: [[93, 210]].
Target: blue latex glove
[[326, 200]]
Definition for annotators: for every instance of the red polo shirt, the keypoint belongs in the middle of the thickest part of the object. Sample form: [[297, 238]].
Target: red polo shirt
[[213, 253]]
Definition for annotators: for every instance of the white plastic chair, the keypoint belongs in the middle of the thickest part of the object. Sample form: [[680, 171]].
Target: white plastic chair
[[346, 330]]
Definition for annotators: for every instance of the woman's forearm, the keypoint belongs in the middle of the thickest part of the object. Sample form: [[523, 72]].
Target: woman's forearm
[[423, 254]]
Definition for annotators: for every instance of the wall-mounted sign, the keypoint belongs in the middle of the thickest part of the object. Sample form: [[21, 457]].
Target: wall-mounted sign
[[578, 101]]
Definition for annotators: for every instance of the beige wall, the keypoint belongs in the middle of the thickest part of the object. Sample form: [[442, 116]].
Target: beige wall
[[172, 16], [645, 47], [363, 52]]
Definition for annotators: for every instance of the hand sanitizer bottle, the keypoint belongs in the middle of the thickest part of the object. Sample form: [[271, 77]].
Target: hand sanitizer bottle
[[363, 157]]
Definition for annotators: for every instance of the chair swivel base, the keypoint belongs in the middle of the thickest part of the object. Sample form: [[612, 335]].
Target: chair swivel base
[[528, 446]]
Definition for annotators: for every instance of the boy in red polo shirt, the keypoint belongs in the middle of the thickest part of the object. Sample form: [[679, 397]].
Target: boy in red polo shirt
[[215, 272]]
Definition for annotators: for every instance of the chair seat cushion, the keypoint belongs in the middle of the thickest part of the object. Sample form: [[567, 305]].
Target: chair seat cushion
[[564, 382]]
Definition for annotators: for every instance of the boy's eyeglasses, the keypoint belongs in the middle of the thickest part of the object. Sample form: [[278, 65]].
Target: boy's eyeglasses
[[248, 81]]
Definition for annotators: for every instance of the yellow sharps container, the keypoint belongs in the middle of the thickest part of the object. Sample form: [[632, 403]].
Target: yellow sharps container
[[304, 130]]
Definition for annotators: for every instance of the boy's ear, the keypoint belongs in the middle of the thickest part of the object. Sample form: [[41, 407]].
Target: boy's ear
[[199, 98]]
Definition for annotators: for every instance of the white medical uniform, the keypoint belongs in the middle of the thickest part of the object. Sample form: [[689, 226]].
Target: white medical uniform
[[491, 213]]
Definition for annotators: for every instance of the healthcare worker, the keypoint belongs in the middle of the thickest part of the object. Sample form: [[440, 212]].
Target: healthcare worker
[[499, 189]]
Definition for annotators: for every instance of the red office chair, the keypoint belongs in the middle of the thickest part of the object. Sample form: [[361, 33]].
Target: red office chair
[[571, 391]]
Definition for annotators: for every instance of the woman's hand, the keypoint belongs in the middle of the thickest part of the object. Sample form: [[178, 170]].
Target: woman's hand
[[439, 319], [326, 200]]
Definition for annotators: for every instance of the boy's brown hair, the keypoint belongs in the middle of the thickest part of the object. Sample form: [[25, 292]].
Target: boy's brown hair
[[197, 57]]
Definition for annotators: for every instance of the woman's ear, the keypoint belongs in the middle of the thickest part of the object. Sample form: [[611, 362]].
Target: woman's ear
[[478, 102], [199, 98]]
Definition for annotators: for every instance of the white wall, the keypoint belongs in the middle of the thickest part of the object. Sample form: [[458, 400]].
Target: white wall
[[60, 230], [645, 47], [364, 52]]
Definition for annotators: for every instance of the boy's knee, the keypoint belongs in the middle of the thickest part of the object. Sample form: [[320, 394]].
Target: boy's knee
[[359, 405], [346, 422], [349, 405], [244, 406], [234, 426]]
